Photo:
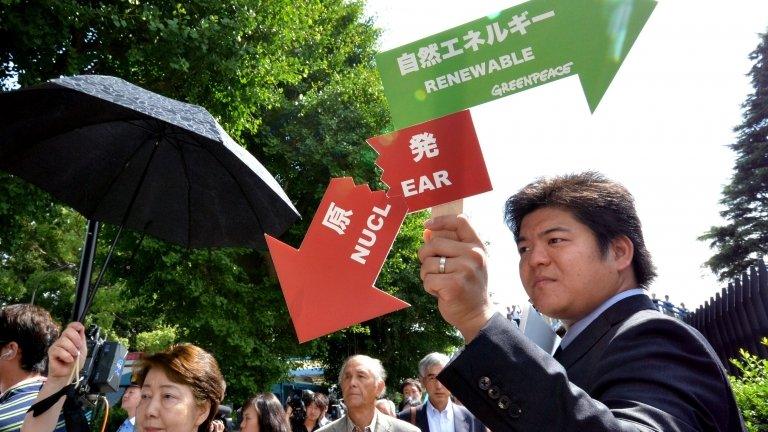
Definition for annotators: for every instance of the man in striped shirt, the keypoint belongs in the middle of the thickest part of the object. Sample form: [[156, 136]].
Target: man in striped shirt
[[26, 332]]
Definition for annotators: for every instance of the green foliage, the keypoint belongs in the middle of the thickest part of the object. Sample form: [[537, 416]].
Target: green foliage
[[751, 389], [39, 243], [156, 340], [745, 235], [294, 82]]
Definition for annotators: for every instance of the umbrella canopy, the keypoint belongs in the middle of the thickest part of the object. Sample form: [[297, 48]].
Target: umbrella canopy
[[121, 154]]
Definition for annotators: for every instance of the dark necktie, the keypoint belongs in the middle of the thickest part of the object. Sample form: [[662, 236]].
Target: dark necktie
[[558, 352]]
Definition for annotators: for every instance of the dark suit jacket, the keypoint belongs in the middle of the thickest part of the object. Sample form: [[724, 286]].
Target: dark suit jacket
[[463, 420], [632, 369]]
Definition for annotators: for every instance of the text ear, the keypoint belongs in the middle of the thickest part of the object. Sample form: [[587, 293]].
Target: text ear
[[9, 351], [380, 386], [202, 412], [623, 251]]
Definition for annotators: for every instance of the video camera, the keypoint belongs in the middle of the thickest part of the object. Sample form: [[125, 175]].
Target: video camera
[[104, 365], [336, 407], [224, 415], [298, 402], [100, 374]]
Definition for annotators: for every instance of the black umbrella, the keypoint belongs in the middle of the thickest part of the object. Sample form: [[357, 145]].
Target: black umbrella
[[121, 154]]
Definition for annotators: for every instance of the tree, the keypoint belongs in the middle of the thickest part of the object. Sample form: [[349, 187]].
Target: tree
[[745, 235], [294, 82], [39, 241]]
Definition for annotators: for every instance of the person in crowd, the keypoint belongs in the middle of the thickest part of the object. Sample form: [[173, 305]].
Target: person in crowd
[[181, 387], [621, 366], [669, 308], [26, 332], [386, 406], [264, 413], [315, 407], [362, 379], [129, 402], [516, 314], [411, 390], [439, 413]]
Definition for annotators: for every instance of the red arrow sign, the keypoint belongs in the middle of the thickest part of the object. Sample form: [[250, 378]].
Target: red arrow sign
[[433, 163], [328, 282]]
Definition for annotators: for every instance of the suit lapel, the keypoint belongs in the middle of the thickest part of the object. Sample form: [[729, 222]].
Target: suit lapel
[[342, 426], [382, 423], [421, 418], [600, 326], [459, 420]]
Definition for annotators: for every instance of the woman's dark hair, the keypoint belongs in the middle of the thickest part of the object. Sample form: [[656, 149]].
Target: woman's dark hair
[[33, 330], [270, 411], [320, 400], [604, 206], [193, 367]]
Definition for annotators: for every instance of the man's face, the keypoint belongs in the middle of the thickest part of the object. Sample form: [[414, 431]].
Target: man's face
[[131, 398], [313, 412], [412, 392], [561, 266], [438, 395], [359, 384]]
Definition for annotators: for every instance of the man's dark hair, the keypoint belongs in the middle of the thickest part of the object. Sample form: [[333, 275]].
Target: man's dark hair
[[412, 382], [604, 206], [33, 329]]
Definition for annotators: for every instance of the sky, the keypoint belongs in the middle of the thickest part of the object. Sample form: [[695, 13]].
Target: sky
[[662, 129]]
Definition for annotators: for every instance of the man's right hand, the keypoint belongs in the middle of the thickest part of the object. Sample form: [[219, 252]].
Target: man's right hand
[[461, 291], [69, 348], [67, 353]]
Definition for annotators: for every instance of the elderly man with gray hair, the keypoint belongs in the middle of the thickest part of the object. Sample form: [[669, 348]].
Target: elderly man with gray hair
[[439, 413], [362, 380]]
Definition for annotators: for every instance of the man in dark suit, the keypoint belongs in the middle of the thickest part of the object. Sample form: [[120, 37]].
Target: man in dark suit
[[438, 413], [622, 365]]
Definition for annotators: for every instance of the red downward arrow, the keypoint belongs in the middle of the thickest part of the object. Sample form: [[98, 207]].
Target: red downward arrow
[[328, 282]]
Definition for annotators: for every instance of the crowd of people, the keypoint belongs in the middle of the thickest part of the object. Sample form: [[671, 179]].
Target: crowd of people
[[621, 364], [181, 388]]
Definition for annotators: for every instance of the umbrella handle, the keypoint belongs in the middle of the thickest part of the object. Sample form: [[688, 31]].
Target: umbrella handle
[[86, 268], [95, 286]]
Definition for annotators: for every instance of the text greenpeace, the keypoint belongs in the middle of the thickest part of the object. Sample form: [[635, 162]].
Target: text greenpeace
[[531, 79], [478, 70]]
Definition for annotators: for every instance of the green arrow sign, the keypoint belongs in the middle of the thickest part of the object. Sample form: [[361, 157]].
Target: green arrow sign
[[519, 48]]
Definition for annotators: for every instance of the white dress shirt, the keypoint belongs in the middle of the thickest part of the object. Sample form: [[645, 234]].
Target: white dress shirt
[[576, 328], [370, 428], [440, 421]]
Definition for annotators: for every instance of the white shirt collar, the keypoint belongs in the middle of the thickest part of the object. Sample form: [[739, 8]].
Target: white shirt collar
[[576, 328], [440, 421], [371, 427]]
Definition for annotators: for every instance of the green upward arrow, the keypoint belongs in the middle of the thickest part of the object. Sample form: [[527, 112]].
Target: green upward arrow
[[519, 48]]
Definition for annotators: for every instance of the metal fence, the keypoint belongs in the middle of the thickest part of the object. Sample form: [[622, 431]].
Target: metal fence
[[736, 317], [670, 309]]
